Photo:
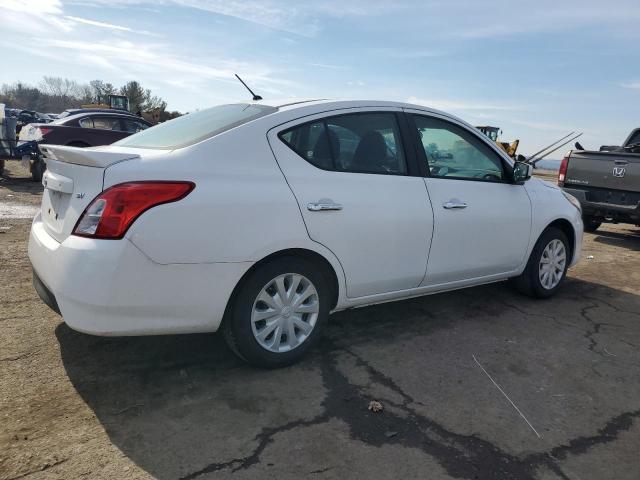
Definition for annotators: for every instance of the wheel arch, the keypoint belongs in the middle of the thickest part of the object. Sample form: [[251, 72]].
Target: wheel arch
[[325, 265], [565, 227]]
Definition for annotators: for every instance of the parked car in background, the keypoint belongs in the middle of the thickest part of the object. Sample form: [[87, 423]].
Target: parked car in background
[[260, 219], [87, 129], [25, 117], [606, 182]]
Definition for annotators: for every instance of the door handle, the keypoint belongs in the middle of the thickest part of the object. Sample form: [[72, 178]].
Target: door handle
[[454, 204], [323, 205]]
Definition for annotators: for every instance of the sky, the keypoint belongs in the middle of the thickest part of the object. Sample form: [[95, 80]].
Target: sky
[[538, 70]]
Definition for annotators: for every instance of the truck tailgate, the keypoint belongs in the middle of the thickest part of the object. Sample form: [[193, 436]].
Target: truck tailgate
[[607, 170]]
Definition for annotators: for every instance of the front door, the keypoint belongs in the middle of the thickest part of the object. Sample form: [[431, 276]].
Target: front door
[[482, 221], [358, 196]]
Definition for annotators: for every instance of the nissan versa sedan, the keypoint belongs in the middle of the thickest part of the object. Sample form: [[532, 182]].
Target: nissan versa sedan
[[260, 219]]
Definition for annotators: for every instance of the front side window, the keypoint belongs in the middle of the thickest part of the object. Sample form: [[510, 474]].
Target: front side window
[[359, 143], [453, 152], [134, 126]]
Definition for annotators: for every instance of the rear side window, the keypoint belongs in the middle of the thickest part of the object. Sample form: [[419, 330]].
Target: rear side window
[[359, 143], [86, 122], [197, 126], [106, 123]]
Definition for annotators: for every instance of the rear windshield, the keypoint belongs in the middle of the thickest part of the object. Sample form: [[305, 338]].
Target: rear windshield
[[195, 127]]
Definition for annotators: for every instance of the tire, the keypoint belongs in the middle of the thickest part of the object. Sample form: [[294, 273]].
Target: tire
[[243, 324], [37, 170], [591, 224], [530, 281]]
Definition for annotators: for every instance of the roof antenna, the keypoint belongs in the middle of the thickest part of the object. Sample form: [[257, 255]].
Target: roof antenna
[[255, 97]]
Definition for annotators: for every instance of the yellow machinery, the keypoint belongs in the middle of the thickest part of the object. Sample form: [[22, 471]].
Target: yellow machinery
[[117, 102], [492, 133]]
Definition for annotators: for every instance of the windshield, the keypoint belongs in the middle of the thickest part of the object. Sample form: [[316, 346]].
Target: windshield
[[195, 127]]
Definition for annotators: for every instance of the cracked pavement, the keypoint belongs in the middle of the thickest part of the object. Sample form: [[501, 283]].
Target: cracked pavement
[[183, 407]]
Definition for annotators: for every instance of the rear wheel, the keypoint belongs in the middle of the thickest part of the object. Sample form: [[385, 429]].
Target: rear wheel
[[547, 265], [591, 224], [278, 313]]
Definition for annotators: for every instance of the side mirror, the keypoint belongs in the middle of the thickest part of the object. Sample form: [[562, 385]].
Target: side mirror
[[521, 172]]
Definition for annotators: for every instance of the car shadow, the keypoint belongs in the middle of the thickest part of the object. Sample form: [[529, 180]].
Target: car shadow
[[629, 238], [183, 405]]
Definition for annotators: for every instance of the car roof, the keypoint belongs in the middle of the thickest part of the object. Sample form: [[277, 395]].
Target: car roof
[[293, 104], [73, 111], [83, 114]]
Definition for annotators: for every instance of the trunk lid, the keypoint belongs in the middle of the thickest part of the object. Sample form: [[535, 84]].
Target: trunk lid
[[74, 177], [609, 170]]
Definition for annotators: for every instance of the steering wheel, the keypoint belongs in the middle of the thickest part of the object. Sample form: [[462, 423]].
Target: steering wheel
[[491, 176]]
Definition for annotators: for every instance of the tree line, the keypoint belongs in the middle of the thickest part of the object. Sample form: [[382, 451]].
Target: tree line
[[56, 94]]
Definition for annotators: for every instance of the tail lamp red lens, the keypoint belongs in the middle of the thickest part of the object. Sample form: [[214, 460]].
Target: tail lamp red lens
[[111, 213], [563, 171], [44, 130]]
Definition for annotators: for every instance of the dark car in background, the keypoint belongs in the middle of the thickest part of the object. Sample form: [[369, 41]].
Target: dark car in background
[[87, 129]]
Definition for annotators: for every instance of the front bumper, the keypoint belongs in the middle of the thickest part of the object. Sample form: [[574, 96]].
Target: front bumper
[[609, 211], [109, 287]]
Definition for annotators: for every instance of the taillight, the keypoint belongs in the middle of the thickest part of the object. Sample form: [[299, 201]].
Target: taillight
[[562, 173], [44, 131], [111, 213]]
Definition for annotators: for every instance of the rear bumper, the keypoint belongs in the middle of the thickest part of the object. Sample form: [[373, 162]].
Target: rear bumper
[[45, 294], [109, 287], [609, 211]]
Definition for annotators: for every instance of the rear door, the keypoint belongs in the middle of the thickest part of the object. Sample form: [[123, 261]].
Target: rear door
[[482, 222], [359, 196]]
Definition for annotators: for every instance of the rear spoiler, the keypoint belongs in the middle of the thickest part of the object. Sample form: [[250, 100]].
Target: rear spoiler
[[90, 157]]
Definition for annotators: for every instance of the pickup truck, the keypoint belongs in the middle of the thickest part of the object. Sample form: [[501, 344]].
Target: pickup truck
[[606, 182]]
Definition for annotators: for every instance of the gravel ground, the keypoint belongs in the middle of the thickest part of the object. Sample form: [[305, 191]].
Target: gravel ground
[[182, 407]]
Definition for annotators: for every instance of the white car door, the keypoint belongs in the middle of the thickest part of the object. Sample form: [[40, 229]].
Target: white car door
[[360, 195], [482, 220]]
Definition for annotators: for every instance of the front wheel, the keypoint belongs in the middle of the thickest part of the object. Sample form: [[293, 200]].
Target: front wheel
[[278, 313], [547, 265], [591, 224]]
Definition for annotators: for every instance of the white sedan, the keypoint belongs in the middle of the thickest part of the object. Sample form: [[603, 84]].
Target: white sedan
[[261, 219]]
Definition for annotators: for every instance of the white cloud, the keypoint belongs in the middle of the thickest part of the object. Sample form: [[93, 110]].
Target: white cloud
[[95, 23], [299, 18], [632, 85]]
